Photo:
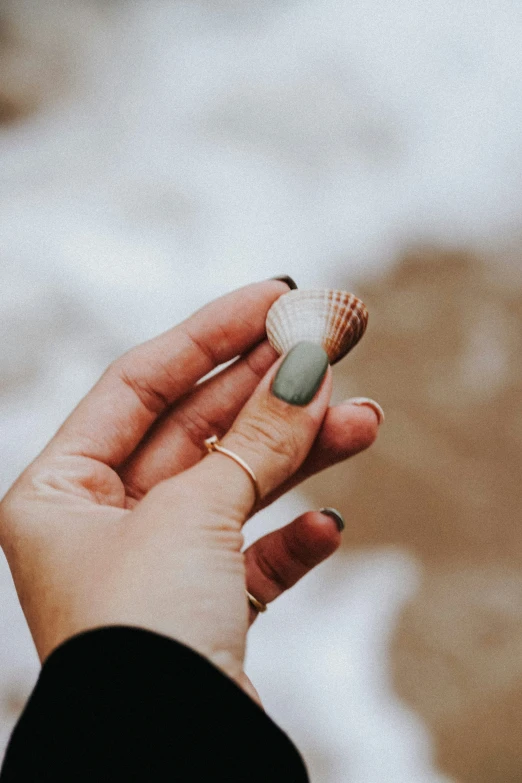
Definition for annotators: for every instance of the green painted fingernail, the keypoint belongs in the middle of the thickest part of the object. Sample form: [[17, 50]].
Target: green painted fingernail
[[300, 375]]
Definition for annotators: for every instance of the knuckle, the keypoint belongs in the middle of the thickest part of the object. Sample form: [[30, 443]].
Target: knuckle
[[119, 365], [150, 396], [202, 347], [262, 434], [256, 361], [270, 570], [296, 553], [194, 425]]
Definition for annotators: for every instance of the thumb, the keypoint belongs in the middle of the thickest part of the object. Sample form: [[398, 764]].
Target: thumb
[[273, 433]]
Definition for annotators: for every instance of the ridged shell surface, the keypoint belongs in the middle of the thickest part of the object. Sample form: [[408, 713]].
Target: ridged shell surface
[[334, 319]]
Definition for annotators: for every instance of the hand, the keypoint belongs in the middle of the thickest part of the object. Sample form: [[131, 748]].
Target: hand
[[124, 519]]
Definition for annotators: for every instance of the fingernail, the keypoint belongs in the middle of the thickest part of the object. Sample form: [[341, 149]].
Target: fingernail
[[335, 515], [286, 279], [370, 404], [300, 375]]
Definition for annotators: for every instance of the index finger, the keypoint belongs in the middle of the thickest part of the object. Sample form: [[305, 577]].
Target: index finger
[[109, 423]]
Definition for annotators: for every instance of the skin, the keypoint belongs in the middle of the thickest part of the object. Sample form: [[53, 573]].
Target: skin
[[124, 519]]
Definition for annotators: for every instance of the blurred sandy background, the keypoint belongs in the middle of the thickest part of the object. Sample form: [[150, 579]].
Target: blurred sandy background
[[154, 155]]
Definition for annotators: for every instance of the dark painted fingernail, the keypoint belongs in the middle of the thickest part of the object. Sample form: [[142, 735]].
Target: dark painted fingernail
[[300, 375], [286, 279], [335, 515]]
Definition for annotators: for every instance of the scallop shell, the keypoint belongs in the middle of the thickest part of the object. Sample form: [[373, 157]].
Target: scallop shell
[[336, 320]]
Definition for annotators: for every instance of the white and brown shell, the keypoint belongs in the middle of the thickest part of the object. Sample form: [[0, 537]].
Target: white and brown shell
[[336, 320]]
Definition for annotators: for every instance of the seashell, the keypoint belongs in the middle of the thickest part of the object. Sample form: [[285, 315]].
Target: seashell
[[336, 320]]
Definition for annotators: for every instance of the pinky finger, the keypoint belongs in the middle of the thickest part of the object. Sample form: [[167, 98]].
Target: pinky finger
[[275, 562]]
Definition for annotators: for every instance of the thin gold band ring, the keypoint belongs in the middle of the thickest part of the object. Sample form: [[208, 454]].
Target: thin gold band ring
[[213, 444], [259, 605]]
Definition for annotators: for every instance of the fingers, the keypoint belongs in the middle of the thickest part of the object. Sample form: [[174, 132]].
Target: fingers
[[273, 433], [275, 562], [347, 429], [175, 443], [112, 419]]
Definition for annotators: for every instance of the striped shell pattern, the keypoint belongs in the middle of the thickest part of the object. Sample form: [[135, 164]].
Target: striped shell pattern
[[334, 319]]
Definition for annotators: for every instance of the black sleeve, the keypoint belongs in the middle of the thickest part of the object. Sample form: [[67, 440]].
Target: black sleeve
[[123, 703]]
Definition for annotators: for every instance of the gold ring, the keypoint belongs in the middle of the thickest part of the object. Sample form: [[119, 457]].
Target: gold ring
[[259, 605], [213, 444]]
